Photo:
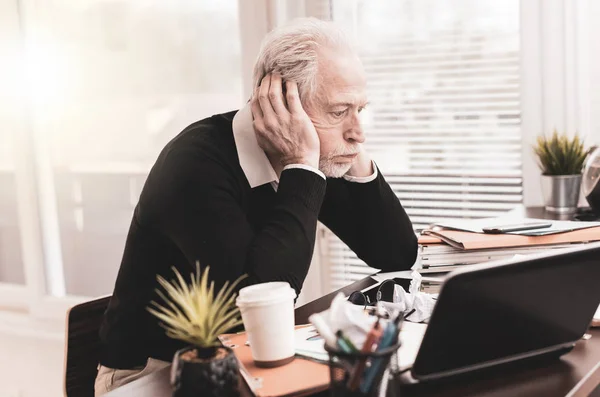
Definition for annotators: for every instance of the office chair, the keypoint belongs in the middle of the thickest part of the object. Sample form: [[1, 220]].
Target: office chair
[[82, 347]]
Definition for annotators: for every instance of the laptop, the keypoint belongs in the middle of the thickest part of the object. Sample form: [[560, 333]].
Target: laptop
[[508, 311]]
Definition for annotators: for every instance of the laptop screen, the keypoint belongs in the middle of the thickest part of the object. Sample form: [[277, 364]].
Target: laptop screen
[[494, 313]]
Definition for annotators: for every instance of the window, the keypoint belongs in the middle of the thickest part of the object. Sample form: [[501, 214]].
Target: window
[[11, 124], [11, 263], [443, 122], [131, 76], [110, 83]]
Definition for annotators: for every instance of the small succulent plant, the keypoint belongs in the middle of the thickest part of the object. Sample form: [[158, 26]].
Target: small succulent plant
[[192, 313], [560, 155]]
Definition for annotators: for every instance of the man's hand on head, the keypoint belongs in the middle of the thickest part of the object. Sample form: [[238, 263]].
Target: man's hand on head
[[362, 166], [283, 129]]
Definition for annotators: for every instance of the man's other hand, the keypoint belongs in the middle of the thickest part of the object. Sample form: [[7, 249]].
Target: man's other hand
[[284, 132]]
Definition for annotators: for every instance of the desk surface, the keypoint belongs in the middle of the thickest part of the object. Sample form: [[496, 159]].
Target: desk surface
[[576, 374]]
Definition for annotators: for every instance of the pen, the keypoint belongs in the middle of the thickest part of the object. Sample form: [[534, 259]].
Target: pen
[[316, 336], [390, 335], [372, 337], [344, 343]]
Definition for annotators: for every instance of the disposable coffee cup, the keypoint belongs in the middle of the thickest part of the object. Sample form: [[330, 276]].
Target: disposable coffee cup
[[268, 315]]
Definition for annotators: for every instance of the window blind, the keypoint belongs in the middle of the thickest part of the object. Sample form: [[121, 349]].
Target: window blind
[[443, 123]]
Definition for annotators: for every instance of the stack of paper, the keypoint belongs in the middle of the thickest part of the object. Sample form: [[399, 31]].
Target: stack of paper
[[477, 225], [435, 258], [447, 246], [469, 238]]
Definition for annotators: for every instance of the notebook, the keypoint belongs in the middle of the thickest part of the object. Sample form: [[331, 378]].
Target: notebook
[[299, 378], [477, 225]]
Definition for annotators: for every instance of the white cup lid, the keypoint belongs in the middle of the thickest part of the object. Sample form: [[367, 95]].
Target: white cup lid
[[265, 293]]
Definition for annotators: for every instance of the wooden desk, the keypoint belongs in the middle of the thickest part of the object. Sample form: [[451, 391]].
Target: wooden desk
[[576, 374], [541, 213]]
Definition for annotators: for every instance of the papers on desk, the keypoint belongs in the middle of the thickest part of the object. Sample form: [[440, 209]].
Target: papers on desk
[[477, 225], [404, 274], [310, 344], [466, 243], [279, 381], [437, 256], [420, 281], [411, 335], [471, 241]]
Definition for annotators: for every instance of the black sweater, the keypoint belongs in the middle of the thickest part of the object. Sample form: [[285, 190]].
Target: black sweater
[[197, 205]]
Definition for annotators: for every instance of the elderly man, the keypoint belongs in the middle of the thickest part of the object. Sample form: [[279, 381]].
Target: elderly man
[[242, 192]]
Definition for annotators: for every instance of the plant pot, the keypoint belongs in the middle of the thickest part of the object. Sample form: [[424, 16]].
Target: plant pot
[[207, 372], [561, 193]]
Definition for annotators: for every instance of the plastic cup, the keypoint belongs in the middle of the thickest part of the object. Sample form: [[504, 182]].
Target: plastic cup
[[268, 315]]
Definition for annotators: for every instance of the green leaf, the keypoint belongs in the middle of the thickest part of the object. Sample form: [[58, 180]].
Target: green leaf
[[192, 312], [560, 155]]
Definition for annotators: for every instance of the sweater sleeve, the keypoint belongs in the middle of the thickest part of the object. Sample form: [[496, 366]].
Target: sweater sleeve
[[369, 218], [200, 211]]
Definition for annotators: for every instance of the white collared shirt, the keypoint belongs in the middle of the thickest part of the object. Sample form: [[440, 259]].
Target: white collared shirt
[[254, 161]]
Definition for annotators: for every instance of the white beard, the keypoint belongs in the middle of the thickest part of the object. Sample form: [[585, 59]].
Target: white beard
[[333, 170], [330, 168]]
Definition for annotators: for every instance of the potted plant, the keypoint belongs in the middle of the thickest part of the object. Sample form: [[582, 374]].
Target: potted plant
[[195, 315], [561, 160]]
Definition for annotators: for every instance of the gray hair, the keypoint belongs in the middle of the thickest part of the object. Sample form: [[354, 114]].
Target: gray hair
[[291, 50]]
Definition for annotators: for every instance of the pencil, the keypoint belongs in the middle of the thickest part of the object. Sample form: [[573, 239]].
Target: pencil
[[372, 337]]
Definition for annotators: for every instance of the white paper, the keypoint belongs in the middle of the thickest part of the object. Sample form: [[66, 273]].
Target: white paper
[[404, 302], [477, 225], [309, 344], [347, 317], [415, 283], [411, 336], [405, 274], [380, 277]]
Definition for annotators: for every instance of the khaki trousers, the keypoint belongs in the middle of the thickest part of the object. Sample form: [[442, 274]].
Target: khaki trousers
[[109, 379]]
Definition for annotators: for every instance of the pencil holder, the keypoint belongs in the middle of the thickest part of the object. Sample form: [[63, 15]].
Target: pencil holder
[[358, 374]]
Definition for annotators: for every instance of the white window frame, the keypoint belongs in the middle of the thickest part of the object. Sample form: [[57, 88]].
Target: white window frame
[[40, 304], [37, 214]]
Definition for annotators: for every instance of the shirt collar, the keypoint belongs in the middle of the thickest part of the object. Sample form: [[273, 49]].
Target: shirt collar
[[253, 160]]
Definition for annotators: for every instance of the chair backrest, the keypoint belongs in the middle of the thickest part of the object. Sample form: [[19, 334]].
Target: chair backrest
[[83, 347]]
